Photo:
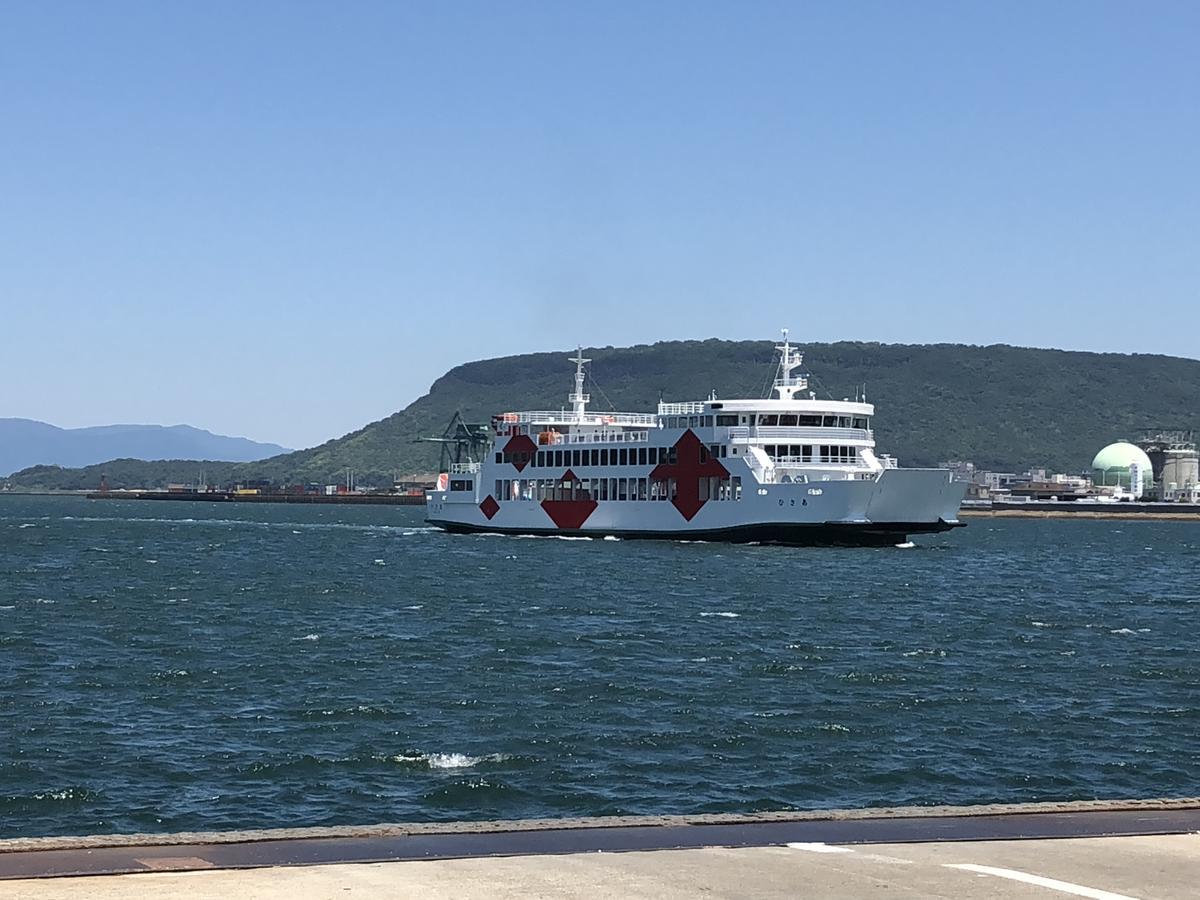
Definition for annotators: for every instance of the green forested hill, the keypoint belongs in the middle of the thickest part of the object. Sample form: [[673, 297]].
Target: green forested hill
[[1002, 407]]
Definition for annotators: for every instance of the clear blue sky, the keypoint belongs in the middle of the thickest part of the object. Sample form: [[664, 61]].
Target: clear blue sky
[[284, 220]]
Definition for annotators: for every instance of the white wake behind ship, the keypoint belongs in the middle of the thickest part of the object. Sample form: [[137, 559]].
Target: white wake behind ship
[[789, 469]]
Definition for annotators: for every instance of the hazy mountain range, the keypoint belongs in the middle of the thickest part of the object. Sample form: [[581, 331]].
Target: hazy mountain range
[[26, 442]]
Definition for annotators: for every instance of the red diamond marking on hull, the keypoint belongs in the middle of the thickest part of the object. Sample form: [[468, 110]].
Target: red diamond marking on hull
[[570, 513], [687, 472], [520, 444], [489, 507]]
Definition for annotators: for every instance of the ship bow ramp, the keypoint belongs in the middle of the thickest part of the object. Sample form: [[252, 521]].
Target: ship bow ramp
[[916, 497]]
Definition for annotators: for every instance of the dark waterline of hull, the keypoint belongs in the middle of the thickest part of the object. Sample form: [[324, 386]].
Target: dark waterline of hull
[[875, 534]]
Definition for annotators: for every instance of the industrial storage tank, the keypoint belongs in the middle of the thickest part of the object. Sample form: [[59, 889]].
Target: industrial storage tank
[[1115, 464], [1180, 473]]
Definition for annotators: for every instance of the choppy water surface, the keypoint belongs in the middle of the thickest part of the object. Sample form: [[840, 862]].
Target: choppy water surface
[[169, 666]]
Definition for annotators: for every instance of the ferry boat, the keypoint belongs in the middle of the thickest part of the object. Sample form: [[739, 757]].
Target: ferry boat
[[789, 469]]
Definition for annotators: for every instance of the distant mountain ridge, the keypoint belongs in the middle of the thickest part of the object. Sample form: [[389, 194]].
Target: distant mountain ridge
[[1005, 408], [27, 442]]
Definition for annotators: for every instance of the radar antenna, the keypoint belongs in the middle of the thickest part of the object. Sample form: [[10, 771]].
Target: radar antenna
[[787, 384], [579, 400]]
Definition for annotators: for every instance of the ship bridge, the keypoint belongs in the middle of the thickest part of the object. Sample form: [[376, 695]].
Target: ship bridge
[[787, 431], [779, 437]]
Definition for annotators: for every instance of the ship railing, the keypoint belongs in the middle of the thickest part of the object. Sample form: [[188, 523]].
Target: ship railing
[[566, 417], [602, 437], [788, 462], [744, 433], [464, 468], [690, 408], [790, 476]]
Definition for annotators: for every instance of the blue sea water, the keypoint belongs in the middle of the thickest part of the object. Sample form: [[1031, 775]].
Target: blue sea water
[[169, 666]]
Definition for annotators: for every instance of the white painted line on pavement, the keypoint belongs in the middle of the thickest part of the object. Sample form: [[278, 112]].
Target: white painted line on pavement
[[819, 847], [1053, 884]]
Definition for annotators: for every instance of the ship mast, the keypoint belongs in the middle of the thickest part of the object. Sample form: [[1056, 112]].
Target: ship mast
[[579, 400], [786, 383]]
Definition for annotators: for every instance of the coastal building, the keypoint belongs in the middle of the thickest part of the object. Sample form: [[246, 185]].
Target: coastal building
[[1047, 489], [1079, 482], [999, 481]]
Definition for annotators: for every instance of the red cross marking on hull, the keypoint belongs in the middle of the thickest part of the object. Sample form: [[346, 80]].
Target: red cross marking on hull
[[692, 463]]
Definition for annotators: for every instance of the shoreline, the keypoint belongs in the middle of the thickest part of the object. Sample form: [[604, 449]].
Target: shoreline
[[1190, 514]]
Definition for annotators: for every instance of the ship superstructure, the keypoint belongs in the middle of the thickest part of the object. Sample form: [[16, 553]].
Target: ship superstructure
[[788, 469]]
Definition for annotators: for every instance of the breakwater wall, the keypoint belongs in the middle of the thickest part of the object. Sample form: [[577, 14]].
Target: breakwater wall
[[233, 497], [1049, 509]]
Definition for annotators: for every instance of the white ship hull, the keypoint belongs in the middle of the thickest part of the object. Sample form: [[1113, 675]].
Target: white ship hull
[[882, 511], [782, 471]]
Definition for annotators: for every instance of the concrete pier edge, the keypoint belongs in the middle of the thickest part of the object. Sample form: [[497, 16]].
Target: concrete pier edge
[[413, 829]]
